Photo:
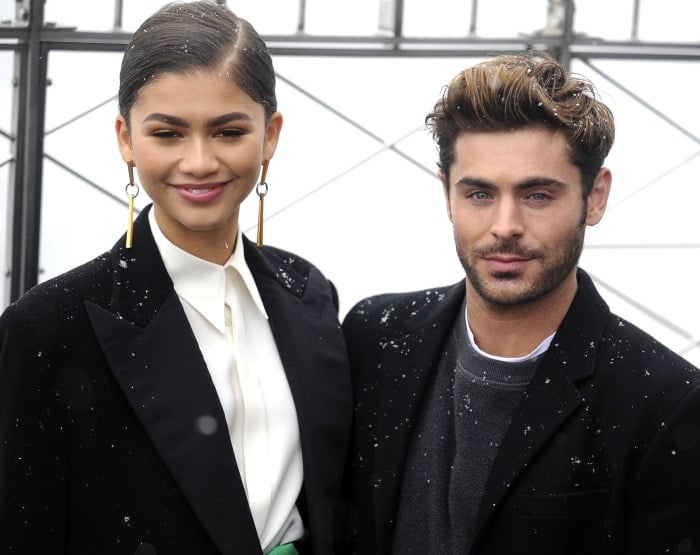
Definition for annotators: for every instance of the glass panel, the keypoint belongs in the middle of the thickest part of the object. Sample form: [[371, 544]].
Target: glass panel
[[604, 19], [437, 18], [356, 17], [86, 15], [136, 11], [669, 20], [6, 147], [7, 10], [5, 243], [269, 17], [81, 140], [508, 18], [659, 20]]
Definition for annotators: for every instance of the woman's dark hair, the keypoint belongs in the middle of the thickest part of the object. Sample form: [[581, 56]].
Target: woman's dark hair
[[186, 37], [525, 90]]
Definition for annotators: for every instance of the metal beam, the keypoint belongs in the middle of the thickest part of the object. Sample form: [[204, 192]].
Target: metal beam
[[26, 201]]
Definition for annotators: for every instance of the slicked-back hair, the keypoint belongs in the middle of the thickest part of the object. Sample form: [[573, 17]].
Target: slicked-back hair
[[524, 91], [187, 37]]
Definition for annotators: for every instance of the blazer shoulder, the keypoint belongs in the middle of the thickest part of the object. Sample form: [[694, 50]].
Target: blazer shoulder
[[90, 281], [292, 271]]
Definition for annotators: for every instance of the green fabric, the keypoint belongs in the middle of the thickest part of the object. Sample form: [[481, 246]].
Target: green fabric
[[284, 549]]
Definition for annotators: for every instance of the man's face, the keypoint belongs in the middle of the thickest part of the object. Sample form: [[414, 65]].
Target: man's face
[[516, 204]]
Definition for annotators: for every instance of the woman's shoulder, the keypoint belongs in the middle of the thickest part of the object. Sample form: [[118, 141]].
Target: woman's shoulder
[[284, 258], [88, 282]]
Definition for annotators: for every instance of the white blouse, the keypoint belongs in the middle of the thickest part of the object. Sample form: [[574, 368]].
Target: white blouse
[[229, 321]]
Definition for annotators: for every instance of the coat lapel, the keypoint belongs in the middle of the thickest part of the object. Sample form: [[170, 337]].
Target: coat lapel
[[151, 350], [552, 396], [315, 363], [416, 356], [548, 401]]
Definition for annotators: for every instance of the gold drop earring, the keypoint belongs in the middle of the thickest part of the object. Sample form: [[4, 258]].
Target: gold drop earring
[[132, 191], [261, 191]]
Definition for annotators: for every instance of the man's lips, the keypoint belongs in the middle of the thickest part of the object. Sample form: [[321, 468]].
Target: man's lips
[[506, 263]]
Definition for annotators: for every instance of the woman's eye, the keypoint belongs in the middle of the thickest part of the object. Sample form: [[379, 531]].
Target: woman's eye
[[165, 134], [230, 133]]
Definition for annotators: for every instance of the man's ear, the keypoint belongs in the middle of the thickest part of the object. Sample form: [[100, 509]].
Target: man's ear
[[446, 191], [124, 139], [598, 199]]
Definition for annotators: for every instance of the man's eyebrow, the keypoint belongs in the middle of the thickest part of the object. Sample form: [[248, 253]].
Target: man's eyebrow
[[474, 182], [528, 183], [539, 182], [214, 122]]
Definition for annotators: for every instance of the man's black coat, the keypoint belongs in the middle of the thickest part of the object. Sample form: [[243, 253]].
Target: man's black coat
[[602, 455]]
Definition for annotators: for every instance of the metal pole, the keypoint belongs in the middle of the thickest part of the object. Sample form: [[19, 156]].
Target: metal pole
[[398, 18], [635, 20], [27, 195], [118, 14], [474, 15], [568, 35], [301, 22]]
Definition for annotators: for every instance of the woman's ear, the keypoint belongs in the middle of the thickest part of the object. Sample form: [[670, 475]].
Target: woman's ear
[[598, 199], [124, 139], [272, 135]]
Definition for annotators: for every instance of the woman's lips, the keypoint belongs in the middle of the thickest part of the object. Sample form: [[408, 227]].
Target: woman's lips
[[200, 193]]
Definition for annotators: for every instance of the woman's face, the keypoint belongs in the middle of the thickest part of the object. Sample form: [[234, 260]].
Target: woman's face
[[198, 143]]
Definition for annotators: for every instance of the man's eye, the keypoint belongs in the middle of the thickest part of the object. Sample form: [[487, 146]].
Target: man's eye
[[479, 195]]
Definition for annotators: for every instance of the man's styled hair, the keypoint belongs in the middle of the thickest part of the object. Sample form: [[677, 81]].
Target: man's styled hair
[[525, 90]]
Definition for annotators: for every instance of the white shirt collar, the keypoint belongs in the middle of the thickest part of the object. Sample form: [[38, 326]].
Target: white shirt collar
[[200, 282], [541, 348]]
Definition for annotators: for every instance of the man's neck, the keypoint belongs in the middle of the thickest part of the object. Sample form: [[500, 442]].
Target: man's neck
[[517, 330]]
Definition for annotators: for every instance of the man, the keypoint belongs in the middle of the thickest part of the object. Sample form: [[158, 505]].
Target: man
[[512, 413]]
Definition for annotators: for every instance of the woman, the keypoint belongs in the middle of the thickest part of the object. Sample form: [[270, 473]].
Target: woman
[[187, 392]]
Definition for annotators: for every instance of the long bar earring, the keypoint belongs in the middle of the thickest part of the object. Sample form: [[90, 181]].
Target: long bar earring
[[261, 190], [132, 191]]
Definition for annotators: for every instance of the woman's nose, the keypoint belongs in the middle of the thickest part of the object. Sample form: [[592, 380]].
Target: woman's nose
[[199, 158]]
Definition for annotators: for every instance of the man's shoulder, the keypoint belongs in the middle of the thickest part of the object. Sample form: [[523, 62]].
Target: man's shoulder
[[625, 341], [391, 310]]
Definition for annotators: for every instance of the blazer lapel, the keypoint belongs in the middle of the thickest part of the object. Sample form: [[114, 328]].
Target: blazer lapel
[[548, 401], [314, 359], [426, 340], [151, 350], [552, 396]]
